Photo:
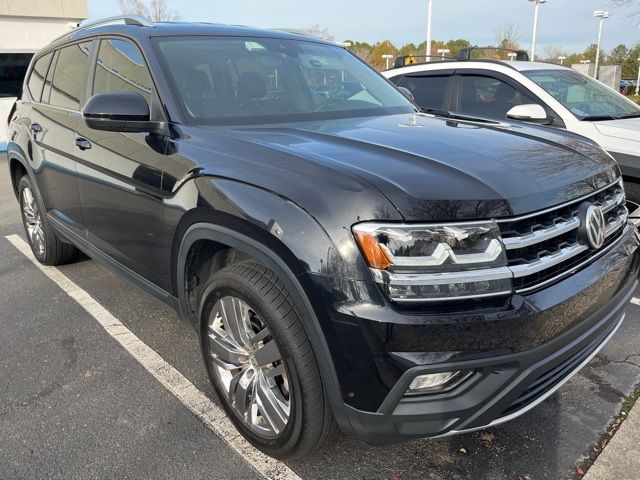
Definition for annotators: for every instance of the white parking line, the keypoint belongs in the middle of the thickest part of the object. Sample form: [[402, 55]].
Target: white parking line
[[635, 301], [190, 396]]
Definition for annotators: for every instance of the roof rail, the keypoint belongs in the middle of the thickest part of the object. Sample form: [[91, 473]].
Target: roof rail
[[404, 60], [465, 53], [126, 19]]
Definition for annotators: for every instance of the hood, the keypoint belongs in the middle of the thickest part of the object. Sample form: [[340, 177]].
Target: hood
[[625, 128], [439, 169]]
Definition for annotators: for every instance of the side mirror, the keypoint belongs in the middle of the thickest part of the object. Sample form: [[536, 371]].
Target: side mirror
[[120, 112], [530, 112], [407, 93]]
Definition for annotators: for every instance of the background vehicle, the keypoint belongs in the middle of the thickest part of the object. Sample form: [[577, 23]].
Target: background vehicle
[[342, 256], [506, 90]]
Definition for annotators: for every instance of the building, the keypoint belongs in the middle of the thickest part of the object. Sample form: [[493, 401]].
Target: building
[[25, 27]]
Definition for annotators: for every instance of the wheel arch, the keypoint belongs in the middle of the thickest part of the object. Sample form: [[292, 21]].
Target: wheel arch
[[254, 243]]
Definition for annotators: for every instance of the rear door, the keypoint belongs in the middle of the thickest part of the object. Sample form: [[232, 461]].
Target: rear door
[[52, 123], [119, 174]]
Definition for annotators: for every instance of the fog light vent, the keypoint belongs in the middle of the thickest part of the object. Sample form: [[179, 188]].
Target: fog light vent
[[438, 382]]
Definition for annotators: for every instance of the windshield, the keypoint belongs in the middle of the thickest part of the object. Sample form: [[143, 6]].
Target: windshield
[[586, 98], [235, 80]]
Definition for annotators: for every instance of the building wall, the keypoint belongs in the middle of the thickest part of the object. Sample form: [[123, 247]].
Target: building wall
[[70, 9]]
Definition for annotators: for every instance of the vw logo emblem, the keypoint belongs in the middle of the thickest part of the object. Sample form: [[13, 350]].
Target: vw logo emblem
[[592, 225]]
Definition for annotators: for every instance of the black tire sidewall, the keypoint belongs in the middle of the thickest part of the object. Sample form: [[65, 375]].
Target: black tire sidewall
[[229, 285]]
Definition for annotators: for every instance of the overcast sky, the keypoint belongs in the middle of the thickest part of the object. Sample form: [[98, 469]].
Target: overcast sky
[[568, 24]]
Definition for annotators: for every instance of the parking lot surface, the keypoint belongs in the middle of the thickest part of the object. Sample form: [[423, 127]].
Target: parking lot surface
[[75, 403]]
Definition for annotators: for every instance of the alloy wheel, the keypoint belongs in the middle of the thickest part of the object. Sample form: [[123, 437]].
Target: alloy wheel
[[248, 366], [33, 221]]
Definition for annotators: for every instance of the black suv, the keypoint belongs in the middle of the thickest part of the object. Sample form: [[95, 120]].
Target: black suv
[[342, 256]]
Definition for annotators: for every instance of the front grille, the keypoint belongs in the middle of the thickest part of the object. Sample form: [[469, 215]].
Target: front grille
[[543, 247]]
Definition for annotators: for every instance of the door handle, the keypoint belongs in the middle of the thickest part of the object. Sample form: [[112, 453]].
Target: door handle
[[83, 143], [36, 128]]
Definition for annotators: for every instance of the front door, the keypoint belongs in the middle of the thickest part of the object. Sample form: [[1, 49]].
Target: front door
[[120, 174]]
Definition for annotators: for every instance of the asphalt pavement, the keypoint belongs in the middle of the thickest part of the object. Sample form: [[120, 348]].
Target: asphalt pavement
[[75, 404]]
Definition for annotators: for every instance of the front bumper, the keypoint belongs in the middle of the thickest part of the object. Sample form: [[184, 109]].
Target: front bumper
[[520, 354]]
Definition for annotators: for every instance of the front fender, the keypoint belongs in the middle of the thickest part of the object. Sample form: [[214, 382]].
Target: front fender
[[278, 234]]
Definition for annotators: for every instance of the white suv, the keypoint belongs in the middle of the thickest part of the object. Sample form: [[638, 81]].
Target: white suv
[[537, 92]]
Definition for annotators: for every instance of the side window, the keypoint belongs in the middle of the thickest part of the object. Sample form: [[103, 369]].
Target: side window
[[396, 80], [488, 96], [121, 68], [46, 92], [38, 74], [68, 78], [428, 91]]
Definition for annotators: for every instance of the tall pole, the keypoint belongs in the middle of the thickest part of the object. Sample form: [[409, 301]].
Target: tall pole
[[428, 48], [638, 81], [598, 46], [535, 31], [602, 15]]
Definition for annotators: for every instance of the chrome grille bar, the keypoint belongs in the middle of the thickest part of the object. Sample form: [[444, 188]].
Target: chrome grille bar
[[541, 235]]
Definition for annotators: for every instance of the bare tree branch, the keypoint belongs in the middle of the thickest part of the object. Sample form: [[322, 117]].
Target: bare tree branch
[[156, 11], [319, 31], [508, 36], [632, 7]]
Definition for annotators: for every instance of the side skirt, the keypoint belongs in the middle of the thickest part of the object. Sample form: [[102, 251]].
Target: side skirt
[[116, 267]]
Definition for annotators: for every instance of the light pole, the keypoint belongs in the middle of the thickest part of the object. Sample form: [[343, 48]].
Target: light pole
[[512, 55], [428, 47], [638, 81], [443, 52], [584, 62], [535, 27], [562, 58], [601, 14], [387, 57]]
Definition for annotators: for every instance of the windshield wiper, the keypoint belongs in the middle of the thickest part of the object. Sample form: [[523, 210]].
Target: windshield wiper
[[595, 118], [628, 115], [456, 116]]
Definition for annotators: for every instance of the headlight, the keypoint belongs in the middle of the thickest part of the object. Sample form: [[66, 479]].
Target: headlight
[[436, 262]]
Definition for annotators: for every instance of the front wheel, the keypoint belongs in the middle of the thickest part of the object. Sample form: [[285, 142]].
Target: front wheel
[[261, 363]]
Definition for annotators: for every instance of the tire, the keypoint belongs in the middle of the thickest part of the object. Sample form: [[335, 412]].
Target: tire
[[45, 244], [289, 372], [632, 191]]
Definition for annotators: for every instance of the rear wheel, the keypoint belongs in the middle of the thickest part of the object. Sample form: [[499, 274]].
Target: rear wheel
[[45, 244], [261, 363]]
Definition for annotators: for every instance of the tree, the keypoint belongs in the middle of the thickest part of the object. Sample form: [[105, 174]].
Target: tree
[[618, 55], [382, 48], [508, 36], [156, 10], [551, 54], [318, 31], [590, 53], [456, 45]]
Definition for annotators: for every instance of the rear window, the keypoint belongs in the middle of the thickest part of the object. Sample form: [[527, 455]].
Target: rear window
[[69, 75], [38, 74], [428, 91]]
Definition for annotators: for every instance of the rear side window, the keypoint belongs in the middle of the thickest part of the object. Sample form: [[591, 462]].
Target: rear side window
[[488, 96], [121, 68], [68, 78], [428, 91], [38, 74]]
